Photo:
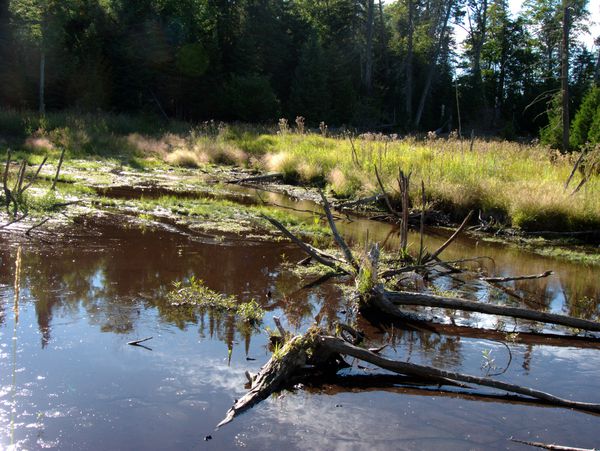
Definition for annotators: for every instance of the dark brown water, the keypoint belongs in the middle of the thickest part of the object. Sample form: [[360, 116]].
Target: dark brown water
[[68, 379]]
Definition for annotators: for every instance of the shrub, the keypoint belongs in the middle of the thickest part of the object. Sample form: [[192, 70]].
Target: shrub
[[586, 124]]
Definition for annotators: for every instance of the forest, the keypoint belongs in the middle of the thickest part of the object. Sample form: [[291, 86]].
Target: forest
[[394, 66]]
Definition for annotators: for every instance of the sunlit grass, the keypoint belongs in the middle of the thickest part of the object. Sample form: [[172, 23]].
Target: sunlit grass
[[518, 185]]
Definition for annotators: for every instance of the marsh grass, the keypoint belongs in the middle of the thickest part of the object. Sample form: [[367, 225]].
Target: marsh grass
[[521, 186], [195, 293], [227, 216]]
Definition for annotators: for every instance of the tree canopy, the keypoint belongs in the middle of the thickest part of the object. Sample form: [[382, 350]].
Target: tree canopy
[[395, 65]]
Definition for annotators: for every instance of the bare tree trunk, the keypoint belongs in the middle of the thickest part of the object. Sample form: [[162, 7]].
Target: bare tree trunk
[[369, 50], [42, 104], [383, 43], [478, 44], [408, 89], [432, 64], [565, 76]]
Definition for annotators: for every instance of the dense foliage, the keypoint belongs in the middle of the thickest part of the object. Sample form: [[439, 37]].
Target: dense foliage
[[356, 62]]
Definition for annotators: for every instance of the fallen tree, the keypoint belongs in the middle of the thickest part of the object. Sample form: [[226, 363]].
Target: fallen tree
[[317, 351]]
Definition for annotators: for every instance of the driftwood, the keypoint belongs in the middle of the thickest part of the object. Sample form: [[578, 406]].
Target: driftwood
[[336, 345], [510, 279]]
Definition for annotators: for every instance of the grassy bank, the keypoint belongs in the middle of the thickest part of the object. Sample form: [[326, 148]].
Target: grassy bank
[[522, 186]]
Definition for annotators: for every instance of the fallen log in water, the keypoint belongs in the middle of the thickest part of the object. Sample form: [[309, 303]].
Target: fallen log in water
[[276, 372], [387, 300], [317, 349]]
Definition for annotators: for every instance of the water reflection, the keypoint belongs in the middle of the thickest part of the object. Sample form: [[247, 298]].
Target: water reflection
[[81, 300], [112, 280]]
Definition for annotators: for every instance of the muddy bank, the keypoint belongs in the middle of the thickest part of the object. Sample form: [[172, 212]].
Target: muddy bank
[[93, 183]]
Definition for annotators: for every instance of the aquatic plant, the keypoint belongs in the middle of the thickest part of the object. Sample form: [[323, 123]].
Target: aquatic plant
[[196, 293]]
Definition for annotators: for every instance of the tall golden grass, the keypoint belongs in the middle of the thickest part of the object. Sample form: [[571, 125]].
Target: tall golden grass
[[521, 185]]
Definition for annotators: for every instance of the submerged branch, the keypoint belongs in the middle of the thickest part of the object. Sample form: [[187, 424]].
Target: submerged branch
[[510, 279]]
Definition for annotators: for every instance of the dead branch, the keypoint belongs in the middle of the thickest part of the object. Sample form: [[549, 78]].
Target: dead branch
[[60, 162], [577, 163], [549, 445], [385, 196], [510, 279], [355, 158], [318, 255], [35, 226], [324, 278], [403, 184], [35, 176], [336, 235], [422, 224], [580, 185], [20, 175], [317, 350], [429, 300], [280, 328], [276, 372], [137, 342], [333, 344], [23, 216], [451, 239]]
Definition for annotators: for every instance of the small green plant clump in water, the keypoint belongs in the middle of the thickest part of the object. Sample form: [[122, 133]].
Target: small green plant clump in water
[[196, 293]]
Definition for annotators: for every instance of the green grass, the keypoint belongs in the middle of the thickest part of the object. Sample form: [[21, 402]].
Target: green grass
[[226, 216], [520, 186]]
